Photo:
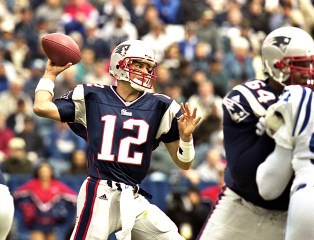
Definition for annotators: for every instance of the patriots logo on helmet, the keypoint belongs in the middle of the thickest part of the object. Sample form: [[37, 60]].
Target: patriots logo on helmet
[[122, 49], [281, 42]]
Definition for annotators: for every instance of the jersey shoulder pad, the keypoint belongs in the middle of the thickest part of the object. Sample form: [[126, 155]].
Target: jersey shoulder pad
[[95, 87], [162, 97]]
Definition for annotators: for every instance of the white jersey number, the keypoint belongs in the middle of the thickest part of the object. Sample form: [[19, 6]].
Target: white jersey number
[[263, 96], [124, 147]]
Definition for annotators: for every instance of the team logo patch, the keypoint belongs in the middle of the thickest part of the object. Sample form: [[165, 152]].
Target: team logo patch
[[126, 113], [236, 111], [281, 42], [122, 49]]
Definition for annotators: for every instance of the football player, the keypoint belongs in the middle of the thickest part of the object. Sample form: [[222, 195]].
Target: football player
[[122, 124], [241, 213], [293, 154], [6, 208]]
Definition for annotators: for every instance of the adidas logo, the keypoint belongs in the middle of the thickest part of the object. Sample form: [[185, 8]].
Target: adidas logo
[[103, 197]]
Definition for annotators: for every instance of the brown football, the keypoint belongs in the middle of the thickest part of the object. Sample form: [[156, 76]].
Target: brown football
[[61, 49]]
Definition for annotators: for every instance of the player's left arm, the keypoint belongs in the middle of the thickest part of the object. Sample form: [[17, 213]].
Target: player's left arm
[[182, 151], [274, 174]]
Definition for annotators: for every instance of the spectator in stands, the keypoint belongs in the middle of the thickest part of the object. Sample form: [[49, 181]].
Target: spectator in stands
[[206, 100], [210, 168], [137, 9], [15, 121], [99, 74], [59, 145], [164, 78], [9, 99], [161, 162], [7, 70], [51, 12], [17, 161], [66, 82], [218, 75], [172, 57], [188, 211], [208, 31], [26, 27], [94, 41], [174, 91], [45, 203], [78, 163], [239, 62], [6, 135], [108, 10], [230, 24], [19, 54], [37, 68], [85, 66], [150, 16], [118, 30], [191, 10], [76, 13], [257, 16], [158, 38], [183, 75], [207, 171], [168, 10], [7, 36], [211, 193], [188, 44], [198, 76], [34, 141], [287, 14], [203, 52]]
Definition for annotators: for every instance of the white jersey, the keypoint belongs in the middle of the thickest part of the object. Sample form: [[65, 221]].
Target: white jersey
[[295, 106]]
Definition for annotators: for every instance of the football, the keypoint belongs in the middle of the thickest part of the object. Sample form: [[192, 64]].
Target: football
[[61, 49]]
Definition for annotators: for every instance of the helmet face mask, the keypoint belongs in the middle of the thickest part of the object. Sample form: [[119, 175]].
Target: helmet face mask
[[288, 56], [300, 70], [127, 53], [142, 79]]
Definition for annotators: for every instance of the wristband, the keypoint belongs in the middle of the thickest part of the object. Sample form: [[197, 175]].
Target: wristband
[[45, 84], [186, 151]]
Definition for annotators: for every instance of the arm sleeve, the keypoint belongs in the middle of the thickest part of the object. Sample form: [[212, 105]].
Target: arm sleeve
[[274, 174]]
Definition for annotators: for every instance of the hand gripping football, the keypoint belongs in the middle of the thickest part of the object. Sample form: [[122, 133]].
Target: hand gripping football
[[61, 49]]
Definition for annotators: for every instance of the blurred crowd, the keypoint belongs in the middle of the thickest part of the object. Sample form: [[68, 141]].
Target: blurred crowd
[[203, 48]]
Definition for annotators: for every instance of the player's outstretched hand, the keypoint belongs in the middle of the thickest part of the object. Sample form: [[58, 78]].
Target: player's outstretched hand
[[53, 70], [187, 122]]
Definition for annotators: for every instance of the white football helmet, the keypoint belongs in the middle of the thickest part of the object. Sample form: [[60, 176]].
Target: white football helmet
[[288, 50], [123, 55]]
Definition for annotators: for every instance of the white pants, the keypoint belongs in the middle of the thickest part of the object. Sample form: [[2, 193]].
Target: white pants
[[6, 211], [98, 215], [236, 219]]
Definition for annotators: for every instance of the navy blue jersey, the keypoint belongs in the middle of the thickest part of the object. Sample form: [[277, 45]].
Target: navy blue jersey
[[120, 135], [245, 150]]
